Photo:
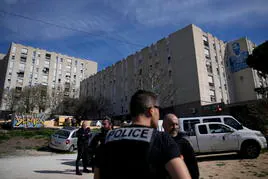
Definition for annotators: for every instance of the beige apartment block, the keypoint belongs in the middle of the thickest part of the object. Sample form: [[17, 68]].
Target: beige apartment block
[[188, 69], [27, 66]]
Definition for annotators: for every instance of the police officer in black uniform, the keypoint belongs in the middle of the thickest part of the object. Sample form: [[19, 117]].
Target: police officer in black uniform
[[139, 150], [171, 126], [99, 139], [82, 146]]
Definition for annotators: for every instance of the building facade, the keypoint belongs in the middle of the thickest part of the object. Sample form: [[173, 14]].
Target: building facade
[[27, 66], [188, 69]]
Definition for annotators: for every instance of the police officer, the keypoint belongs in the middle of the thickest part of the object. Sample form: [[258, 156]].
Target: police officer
[[171, 126], [99, 139], [82, 146], [139, 150]]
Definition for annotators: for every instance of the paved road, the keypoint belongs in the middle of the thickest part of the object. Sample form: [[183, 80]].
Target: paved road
[[56, 166]]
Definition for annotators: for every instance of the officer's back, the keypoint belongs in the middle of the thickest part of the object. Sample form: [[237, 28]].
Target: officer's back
[[139, 151]]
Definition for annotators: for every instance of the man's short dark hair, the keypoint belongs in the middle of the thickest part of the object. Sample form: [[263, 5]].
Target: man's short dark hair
[[141, 101], [108, 119]]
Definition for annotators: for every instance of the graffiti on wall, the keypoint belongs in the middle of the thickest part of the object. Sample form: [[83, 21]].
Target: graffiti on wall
[[28, 120], [238, 60]]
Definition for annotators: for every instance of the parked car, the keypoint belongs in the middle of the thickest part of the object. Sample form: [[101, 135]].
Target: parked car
[[64, 139]]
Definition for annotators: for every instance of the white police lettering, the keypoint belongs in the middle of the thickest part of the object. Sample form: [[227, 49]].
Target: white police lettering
[[137, 133]]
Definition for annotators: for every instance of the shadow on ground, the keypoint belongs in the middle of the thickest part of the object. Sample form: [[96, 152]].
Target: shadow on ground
[[48, 149], [68, 171], [217, 157]]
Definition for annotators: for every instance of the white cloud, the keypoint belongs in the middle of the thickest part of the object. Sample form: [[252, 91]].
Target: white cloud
[[159, 13]]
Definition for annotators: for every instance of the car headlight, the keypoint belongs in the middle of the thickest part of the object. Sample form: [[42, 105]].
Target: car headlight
[[260, 134]]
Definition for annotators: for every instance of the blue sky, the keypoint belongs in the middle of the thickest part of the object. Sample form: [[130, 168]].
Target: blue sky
[[117, 28]]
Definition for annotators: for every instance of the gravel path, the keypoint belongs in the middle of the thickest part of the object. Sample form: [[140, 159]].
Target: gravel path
[[55, 166]]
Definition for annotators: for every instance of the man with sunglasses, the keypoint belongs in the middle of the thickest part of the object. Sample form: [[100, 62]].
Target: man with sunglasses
[[172, 127], [139, 150]]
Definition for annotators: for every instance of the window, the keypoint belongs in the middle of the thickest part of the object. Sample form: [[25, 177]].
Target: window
[[24, 51], [69, 60], [45, 78], [74, 69], [218, 71], [21, 66], [140, 72], [218, 128], [214, 46], [23, 59], [38, 54], [211, 120], [212, 95], [233, 123], [169, 73], [189, 126], [75, 62], [13, 57], [13, 50], [18, 89], [37, 61], [48, 56], [203, 129], [209, 67], [60, 66], [74, 135], [46, 64], [210, 79], [11, 64], [169, 59], [61, 60], [207, 54], [205, 41], [68, 67]]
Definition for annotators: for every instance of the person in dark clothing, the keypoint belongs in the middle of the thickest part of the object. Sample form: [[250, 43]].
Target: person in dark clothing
[[82, 147], [99, 139], [171, 126], [139, 150]]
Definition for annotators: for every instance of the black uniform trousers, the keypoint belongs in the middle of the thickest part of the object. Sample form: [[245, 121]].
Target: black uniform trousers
[[82, 154]]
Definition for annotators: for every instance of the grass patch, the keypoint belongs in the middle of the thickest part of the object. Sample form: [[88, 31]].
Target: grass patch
[[27, 133], [96, 130], [220, 164], [4, 137], [264, 151]]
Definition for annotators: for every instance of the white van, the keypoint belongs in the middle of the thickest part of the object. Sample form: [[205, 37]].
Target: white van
[[221, 134], [187, 123]]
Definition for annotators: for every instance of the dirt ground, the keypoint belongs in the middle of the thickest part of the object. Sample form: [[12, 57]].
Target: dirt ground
[[230, 166], [211, 166]]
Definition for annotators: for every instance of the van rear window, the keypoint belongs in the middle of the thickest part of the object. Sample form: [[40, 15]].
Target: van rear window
[[211, 120], [188, 126]]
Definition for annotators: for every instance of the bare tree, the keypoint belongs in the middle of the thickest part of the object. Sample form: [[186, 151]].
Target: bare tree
[[10, 99], [41, 95], [159, 81]]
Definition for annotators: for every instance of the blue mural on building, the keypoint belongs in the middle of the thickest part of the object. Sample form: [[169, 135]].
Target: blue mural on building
[[238, 60]]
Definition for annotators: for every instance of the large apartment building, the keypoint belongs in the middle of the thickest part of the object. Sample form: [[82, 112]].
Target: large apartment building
[[28, 66], [188, 69]]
